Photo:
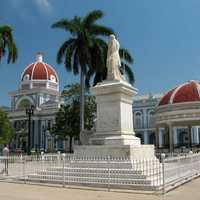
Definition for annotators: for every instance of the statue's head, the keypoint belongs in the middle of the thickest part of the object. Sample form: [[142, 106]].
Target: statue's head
[[112, 36]]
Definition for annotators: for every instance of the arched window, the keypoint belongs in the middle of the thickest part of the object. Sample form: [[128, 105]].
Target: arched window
[[26, 77], [150, 119], [138, 120], [53, 78], [23, 104]]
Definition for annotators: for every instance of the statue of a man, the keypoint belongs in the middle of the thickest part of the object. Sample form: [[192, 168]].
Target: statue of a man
[[113, 62]]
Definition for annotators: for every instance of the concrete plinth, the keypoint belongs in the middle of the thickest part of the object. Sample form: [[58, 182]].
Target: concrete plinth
[[115, 134], [123, 151]]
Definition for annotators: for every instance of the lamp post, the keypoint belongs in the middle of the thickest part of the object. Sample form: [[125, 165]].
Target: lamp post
[[44, 137], [29, 113]]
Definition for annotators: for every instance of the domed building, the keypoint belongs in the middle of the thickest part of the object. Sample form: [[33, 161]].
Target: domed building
[[39, 87], [177, 118]]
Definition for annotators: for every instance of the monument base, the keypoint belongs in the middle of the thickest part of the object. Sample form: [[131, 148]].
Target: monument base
[[115, 151], [101, 139]]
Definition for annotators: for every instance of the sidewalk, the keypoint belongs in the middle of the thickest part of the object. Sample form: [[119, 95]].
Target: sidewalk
[[12, 191]]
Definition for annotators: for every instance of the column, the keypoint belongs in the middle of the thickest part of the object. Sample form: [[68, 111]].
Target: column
[[146, 139], [175, 138], [161, 137], [157, 137], [39, 135], [190, 135], [195, 135], [197, 132], [171, 144]]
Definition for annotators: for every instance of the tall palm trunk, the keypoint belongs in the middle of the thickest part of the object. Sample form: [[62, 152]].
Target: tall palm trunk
[[82, 102]]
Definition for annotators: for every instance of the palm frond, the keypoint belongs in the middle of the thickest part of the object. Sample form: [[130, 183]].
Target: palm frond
[[89, 74], [66, 25], [126, 56], [101, 30], [62, 50], [75, 62], [68, 56], [128, 73], [7, 44], [91, 17], [100, 76], [12, 52]]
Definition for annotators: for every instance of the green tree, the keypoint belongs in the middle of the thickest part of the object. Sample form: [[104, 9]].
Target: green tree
[[79, 52], [6, 131], [7, 44], [20, 133], [71, 93], [68, 117]]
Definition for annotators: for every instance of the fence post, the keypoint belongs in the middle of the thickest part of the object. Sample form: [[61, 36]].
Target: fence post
[[63, 169], [191, 163], [109, 157], [24, 168], [163, 172]]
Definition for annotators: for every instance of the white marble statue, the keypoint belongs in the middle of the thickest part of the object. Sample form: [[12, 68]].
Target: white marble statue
[[113, 62]]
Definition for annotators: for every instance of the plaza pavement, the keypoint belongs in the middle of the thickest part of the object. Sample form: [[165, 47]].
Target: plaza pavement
[[14, 191]]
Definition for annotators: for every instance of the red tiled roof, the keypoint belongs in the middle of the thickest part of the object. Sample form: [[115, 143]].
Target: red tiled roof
[[40, 71], [187, 92]]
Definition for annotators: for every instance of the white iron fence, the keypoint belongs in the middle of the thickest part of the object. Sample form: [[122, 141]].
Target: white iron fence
[[66, 169]]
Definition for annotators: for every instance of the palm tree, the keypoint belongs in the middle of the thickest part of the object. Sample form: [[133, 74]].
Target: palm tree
[[76, 52], [7, 44], [125, 69]]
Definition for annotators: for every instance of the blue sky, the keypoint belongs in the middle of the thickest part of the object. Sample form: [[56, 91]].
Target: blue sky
[[163, 37]]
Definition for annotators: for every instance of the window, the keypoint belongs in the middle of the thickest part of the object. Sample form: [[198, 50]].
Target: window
[[150, 119], [138, 120], [25, 103], [52, 78], [26, 77]]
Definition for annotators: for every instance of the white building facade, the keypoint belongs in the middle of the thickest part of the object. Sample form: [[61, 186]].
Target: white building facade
[[143, 117], [39, 87]]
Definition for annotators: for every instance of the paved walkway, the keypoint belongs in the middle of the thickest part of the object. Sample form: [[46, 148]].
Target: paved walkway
[[12, 191]]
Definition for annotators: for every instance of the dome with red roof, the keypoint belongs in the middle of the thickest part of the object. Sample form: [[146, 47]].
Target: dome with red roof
[[39, 70], [185, 93], [39, 75]]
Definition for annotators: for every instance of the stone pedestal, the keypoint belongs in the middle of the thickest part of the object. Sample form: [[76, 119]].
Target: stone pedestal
[[115, 134], [114, 114], [115, 151]]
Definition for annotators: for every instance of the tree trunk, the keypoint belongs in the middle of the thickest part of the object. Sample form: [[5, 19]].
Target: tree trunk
[[82, 102], [70, 144]]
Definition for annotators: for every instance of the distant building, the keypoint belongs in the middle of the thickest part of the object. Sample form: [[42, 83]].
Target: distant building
[[39, 86], [143, 120], [177, 118]]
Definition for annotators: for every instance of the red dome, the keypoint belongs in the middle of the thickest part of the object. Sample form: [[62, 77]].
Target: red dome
[[39, 71], [187, 92]]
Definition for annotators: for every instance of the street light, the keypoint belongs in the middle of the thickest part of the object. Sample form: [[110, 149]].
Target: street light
[[44, 128], [29, 113]]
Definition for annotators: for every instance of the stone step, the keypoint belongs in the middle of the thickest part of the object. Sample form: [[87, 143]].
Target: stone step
[[92, 174], [97, 170], [95, 164], [89, 180]]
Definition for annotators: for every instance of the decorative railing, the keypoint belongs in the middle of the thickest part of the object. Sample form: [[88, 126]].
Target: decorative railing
[[159, 174]]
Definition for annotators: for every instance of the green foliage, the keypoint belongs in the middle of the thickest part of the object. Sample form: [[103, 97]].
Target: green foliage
[[68, 117], [6, 131], [21, 132], [77, 52], [25, 103], [7, 44]]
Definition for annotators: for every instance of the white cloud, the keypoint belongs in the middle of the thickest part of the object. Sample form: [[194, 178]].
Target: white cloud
[[44, 6]]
